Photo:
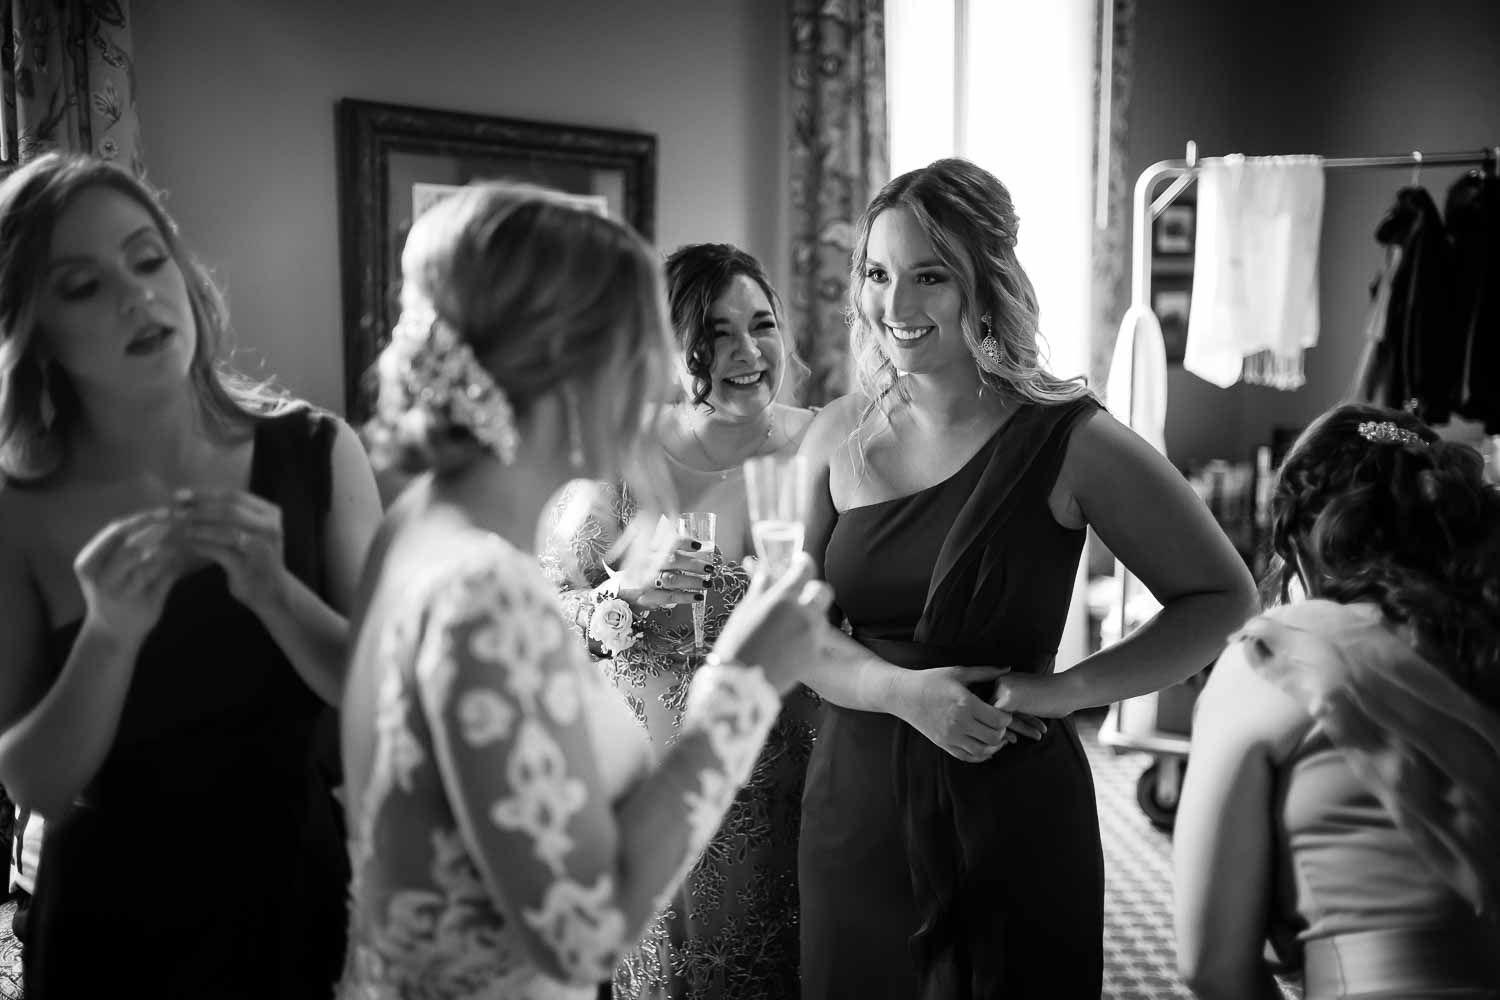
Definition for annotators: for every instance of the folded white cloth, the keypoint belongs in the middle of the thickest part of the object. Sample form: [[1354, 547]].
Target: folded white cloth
[[1255, 269], [1136, 390]]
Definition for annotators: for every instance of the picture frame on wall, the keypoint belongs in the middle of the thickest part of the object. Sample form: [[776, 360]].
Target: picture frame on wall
[[1171, 301], [396, 161], [1174, 232]]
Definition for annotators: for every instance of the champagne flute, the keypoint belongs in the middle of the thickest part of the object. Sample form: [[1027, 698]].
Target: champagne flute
[[700, 526], [778, 492]]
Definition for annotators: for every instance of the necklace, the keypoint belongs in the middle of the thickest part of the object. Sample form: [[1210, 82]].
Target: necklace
[[725, 470]]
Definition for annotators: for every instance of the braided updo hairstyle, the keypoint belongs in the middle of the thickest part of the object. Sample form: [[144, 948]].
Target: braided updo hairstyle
[[1409, 525]]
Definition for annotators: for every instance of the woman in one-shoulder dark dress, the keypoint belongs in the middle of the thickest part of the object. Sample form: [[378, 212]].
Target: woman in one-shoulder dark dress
[[950, 846], [973, 570]]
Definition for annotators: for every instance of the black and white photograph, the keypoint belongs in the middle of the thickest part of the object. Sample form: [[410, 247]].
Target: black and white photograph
[[685, 500]]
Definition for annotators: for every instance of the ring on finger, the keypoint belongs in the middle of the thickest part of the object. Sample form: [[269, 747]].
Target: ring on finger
[[661, 582]]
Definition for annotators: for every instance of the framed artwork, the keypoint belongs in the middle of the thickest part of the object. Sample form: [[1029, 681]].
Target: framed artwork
[[1171, 300], [1174, 231], [395, 162]]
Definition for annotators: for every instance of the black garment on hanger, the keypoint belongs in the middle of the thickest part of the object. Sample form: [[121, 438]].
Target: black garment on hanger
[[1415, 363], [1472, 215]]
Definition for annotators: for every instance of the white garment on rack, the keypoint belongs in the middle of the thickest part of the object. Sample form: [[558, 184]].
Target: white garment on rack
[[1136, 391], [1255, 269]]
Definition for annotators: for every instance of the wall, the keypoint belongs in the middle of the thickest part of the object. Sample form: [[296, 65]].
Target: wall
[[236, 99], [1349, 78]]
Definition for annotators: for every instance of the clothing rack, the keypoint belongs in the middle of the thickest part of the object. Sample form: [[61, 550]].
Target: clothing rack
[[1183, 172], [1146, 209]]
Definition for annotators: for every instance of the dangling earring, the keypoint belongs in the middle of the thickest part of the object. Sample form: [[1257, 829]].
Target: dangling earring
[[46, 410], [575, 430], [989, 346]]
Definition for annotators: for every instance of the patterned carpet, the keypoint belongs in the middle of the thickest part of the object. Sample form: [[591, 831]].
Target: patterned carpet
[[1138, 957]]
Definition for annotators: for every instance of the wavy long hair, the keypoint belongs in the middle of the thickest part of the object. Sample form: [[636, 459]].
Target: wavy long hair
[[969, 217], [1412, 527], [32, 200]]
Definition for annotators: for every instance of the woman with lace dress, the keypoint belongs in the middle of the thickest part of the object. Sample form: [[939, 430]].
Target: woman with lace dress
[[512, 831], [1343, 802], [178, 547], [732, 930]]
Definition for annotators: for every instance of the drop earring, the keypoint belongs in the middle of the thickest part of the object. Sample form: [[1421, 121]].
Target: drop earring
[[575, 431], [989, 347]]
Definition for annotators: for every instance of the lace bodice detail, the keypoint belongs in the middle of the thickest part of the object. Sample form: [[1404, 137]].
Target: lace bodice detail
[[485, 851], [731, 934]]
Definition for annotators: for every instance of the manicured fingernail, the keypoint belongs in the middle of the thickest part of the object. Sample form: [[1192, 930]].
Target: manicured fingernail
[[708, 567], [695, 546], [698, 597]]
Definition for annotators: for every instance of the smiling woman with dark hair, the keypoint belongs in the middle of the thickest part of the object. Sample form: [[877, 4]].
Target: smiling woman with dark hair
[[732, 931]]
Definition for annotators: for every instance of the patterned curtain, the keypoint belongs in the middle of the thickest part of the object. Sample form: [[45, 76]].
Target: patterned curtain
[[1111, 251], [68, 80], [839, 159]]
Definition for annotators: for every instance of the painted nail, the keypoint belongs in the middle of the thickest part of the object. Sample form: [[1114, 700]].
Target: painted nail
[[698, 597], [695, 546]]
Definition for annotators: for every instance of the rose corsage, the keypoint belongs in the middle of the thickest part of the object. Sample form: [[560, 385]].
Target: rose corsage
[[612, 625]]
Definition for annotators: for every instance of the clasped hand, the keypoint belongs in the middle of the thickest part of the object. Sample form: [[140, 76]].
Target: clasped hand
[[940, 704], [127, 568]]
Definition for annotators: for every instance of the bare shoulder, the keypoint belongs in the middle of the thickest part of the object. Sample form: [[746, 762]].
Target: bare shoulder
[[830, 428], [1099, 437], [346, 442], [1241, 706], [1103, 457], [795, 421]]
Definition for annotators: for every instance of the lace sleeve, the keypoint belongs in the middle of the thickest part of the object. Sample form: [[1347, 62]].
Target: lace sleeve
[[578, 875], [582, 525]]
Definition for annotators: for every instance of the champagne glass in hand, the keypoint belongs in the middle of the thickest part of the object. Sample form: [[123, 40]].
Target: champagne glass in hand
[[778, 492], [700, 526]]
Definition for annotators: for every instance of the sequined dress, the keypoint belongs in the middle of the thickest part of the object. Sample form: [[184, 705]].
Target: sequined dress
[[732, 932]]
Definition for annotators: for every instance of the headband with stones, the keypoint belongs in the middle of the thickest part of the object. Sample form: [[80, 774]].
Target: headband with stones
[[1388, 432]]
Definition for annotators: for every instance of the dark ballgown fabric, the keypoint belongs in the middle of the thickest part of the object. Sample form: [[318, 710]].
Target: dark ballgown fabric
[[923, 876], [206, 857]]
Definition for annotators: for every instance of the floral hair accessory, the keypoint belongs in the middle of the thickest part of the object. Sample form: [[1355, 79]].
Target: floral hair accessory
[[1387, 432], [437, 371]]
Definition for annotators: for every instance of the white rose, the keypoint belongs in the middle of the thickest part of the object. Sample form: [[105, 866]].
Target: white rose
[[610, 625]]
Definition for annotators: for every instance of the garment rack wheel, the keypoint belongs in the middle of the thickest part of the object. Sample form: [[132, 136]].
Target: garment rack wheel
[[1158, 790]]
